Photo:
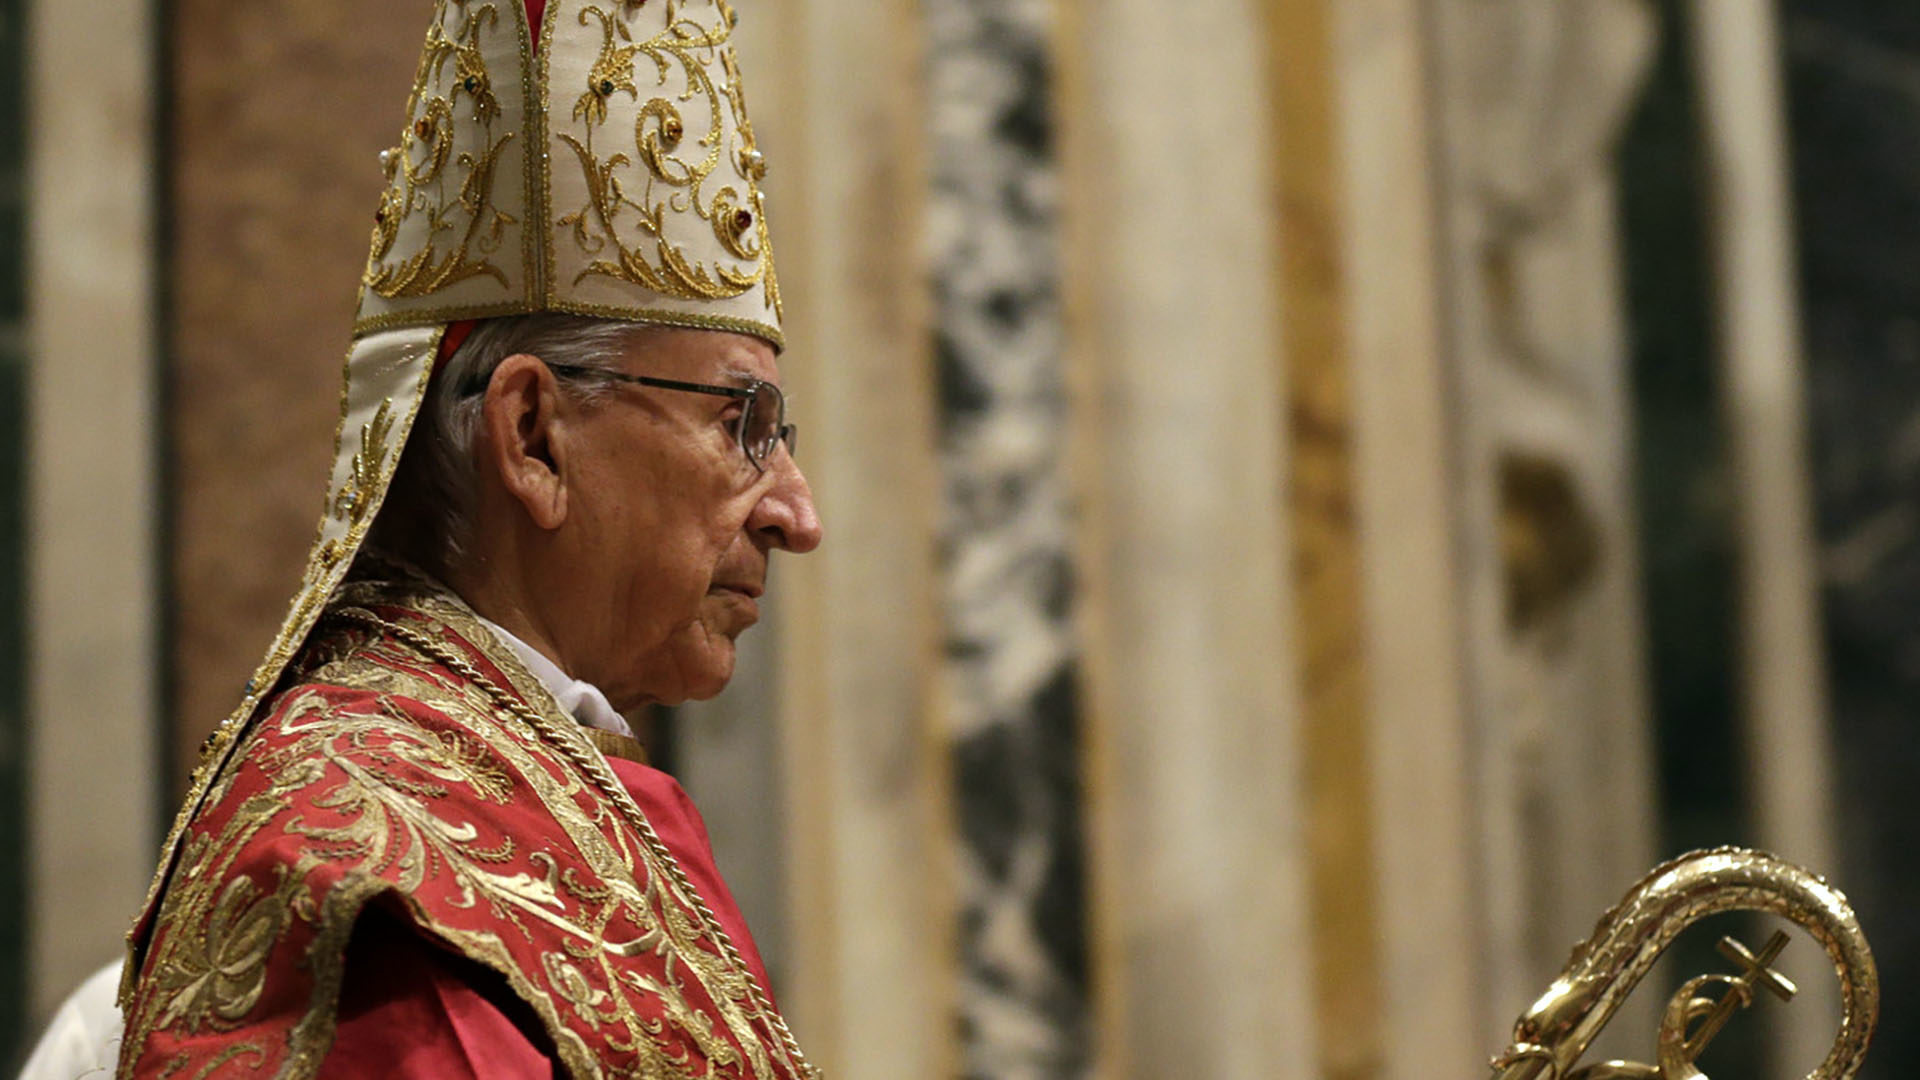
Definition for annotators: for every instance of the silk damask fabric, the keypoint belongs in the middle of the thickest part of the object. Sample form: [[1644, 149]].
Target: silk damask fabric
[[409, 765]]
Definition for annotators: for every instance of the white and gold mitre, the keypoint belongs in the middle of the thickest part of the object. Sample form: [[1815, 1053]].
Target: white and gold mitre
[[596, 159], [593, 158]]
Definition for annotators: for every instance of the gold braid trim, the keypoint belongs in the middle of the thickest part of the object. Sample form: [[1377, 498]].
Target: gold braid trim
[[567, 739]]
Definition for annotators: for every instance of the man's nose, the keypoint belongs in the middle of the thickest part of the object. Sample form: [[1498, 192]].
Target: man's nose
[[785, 515]]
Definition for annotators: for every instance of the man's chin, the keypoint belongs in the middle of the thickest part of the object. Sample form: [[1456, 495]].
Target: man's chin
[[697, 665], [709, 672], [705, 691]]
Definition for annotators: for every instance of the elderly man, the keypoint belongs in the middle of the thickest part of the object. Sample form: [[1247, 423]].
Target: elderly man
[[425, 844]]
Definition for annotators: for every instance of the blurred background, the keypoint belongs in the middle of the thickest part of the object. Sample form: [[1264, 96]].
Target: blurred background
[[1320, 495]]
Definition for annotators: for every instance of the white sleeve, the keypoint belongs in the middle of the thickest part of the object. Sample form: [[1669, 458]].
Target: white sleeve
[[83, 1040]]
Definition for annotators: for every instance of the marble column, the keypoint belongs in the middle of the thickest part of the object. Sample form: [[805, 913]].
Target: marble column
[[1530, 100], [1192, 722], [1401, 426], [1013, 695], [92, 439], [838, 102], [1745, 125]]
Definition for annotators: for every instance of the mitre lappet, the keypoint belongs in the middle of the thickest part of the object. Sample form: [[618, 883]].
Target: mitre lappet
[[556, 156]]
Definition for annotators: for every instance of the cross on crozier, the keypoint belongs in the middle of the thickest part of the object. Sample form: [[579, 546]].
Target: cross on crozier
[[1756, 970]]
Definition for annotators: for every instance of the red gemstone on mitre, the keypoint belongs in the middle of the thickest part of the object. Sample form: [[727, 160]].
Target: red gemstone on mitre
[[743, 220], [536, 11]]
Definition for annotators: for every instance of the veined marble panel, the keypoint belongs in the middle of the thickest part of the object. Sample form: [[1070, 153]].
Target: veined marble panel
[[1008, 581]]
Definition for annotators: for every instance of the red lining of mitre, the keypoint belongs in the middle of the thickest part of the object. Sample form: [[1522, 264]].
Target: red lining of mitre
[[536, 13], [451, 341]]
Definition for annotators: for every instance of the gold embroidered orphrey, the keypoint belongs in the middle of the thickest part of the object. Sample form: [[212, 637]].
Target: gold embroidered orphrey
[[609, 171], [398, 764]]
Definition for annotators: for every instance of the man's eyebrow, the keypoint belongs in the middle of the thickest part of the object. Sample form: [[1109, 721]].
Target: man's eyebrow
[[745, 376]]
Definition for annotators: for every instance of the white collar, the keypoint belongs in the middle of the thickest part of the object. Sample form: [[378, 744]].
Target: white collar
[[581, 700]]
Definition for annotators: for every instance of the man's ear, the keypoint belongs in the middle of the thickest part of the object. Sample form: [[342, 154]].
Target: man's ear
[[522, 447]]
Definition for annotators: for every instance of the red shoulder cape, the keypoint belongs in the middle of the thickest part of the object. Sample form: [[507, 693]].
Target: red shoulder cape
[[409, 761]]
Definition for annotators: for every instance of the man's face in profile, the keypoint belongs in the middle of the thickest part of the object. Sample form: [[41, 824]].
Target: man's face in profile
[[675, 524]]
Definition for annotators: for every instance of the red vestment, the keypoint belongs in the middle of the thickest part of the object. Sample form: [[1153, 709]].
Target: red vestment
[[418, 866]]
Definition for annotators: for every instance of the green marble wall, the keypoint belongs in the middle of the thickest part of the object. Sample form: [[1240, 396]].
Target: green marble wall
[[1853, 97], [13, 833], [1686, 497], [1853, 106], [1685, 486]]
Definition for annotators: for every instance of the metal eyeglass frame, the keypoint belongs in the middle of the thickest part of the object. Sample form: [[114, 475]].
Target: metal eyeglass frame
[[783, 432]]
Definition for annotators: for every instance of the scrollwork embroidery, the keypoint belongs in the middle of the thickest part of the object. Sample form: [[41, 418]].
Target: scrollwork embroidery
[[679, 168], [368, 466], [219, 974], [417, 170]]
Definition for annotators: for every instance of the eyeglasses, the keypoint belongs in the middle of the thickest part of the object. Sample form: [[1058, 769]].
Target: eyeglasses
[[763, 421]]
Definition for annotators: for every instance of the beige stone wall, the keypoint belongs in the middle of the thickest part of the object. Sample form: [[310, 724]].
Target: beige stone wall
[[279, 110]]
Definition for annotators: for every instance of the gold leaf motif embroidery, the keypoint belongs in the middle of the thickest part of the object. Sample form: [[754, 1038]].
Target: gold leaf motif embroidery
[[368, 466], [221, 1060], [587, 1000], [680, 167], [417, 180], [611, 73], [389, 825], [219, 976], [699, 1026]]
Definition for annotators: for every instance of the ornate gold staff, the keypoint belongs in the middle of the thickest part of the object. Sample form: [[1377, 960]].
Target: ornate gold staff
[[1550, 1037]]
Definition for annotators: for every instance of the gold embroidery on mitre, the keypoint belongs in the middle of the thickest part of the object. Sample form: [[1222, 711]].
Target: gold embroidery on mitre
[[676, 209], [367, 467], [613, 174], [437, 182]]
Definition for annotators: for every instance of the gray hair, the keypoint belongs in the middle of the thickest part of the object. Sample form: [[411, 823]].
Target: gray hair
[[428, 517]]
